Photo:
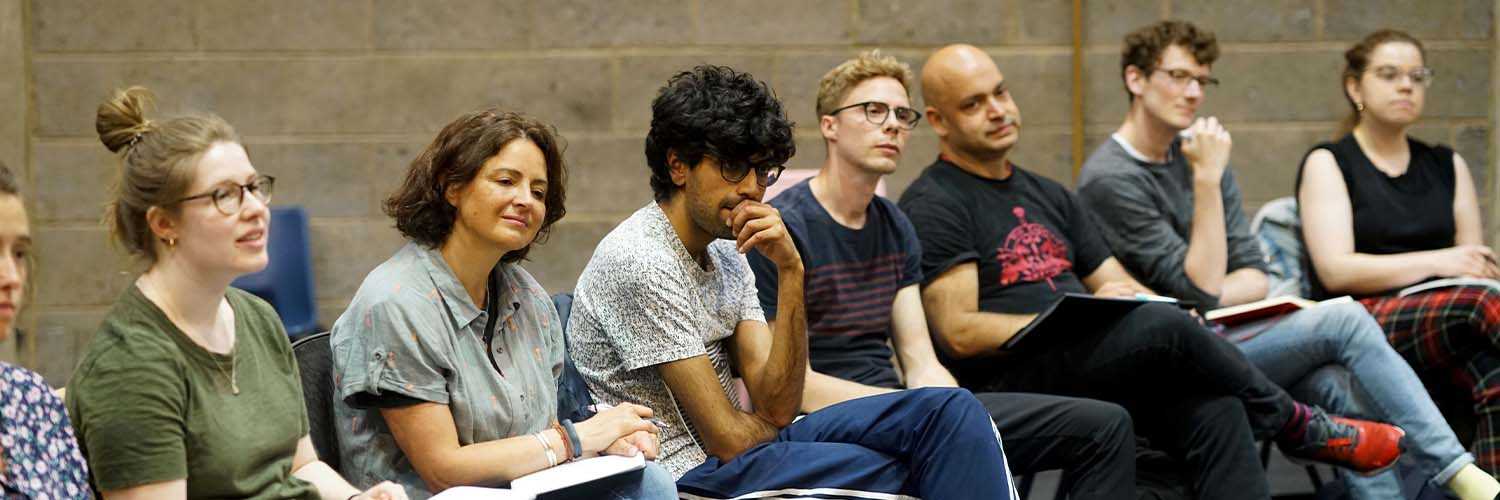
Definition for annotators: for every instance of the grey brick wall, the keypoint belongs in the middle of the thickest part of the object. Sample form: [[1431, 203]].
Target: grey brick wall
[[334, 97]]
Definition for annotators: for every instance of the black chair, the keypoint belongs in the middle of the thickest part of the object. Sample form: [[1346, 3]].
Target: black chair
[[315, 361]]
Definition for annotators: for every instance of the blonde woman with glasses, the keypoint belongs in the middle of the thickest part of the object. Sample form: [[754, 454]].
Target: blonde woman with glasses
[[189, 389]]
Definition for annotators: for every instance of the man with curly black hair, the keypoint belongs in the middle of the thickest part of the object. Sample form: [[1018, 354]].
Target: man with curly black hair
[[666, 313]]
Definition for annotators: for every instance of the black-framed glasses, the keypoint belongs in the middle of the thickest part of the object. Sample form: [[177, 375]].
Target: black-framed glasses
[[878, 112], [1181, 77], [765, 174], [229, 199], [1391, 74]]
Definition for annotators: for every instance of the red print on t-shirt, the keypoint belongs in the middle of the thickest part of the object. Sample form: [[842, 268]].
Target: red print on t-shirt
[[1031, 253]]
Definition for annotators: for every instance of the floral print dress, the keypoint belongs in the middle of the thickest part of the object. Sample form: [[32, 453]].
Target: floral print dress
[[41, 456]]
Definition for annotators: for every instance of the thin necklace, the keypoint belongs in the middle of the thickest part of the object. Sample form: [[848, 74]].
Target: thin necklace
[[232, 374], [234, 385]]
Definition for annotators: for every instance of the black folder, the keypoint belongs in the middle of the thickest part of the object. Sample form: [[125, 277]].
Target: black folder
[[1071, 313]]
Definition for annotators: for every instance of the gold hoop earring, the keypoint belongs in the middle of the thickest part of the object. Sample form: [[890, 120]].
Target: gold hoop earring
[[1359, 106]]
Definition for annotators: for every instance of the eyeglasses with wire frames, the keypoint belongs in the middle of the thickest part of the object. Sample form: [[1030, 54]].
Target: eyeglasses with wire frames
[[1181, 77], [736, 171], [878, 112], [1390, 74], [229, 199]]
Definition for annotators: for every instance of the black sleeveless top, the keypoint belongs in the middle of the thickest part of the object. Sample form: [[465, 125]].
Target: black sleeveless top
[[1407, 213]]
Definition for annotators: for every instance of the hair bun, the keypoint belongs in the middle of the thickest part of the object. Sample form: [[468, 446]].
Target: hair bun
[[121, 120]]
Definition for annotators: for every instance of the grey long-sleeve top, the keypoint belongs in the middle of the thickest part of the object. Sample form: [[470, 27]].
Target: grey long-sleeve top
[[1146, 213]]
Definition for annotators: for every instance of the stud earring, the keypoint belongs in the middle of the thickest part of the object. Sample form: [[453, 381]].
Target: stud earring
[[1359, 106]]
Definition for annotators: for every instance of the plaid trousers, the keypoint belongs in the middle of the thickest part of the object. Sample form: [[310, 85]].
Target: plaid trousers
[[1452, 334]]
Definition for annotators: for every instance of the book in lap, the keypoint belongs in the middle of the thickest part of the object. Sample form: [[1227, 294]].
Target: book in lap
[[477, 493], [1277, 306], [552, 479], [1265, 308], [1447, 282]]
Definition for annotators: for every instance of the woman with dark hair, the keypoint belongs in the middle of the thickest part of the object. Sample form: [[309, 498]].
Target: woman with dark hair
[[189, 389], [448, 358], [39, 456], [1381, 211]]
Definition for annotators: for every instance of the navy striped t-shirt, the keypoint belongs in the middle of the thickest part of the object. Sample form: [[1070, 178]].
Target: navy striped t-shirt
[[852, 276]]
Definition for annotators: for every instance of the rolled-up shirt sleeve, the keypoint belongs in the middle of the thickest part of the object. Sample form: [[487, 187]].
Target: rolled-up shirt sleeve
[[392, 348]]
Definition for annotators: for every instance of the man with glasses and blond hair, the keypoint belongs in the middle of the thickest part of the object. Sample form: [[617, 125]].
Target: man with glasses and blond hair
[[666, 313], [862, 266], [1172, 212]]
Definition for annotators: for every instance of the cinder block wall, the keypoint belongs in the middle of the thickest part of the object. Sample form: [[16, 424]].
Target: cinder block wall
[[334, 98]]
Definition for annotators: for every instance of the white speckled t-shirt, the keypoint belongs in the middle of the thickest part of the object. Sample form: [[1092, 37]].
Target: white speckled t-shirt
[[642, 301]]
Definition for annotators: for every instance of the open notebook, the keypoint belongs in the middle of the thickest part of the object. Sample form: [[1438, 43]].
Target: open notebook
[[569, 474], [1444, 283], [1265, 308]]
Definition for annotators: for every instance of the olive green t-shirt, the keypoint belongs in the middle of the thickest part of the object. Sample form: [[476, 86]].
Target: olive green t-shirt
[[150, 405]]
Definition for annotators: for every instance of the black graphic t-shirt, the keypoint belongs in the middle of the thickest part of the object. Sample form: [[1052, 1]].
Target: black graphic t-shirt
[[1028, 235]]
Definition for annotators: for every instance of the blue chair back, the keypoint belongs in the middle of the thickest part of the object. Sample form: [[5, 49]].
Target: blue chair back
[[287, 282], [573, 398]]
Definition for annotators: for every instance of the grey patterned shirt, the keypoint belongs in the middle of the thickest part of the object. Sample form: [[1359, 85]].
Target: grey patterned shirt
[[413, 331], [642, 301]]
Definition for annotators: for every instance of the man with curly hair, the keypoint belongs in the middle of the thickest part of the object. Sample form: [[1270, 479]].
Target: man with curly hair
[[1171, 208], [666, 313]]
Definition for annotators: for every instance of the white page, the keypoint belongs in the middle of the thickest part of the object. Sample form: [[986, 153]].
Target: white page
[[477, 493], [577, 472]]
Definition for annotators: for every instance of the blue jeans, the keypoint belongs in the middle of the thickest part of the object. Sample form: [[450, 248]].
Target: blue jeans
[[927, 443], [1293, 347], [650, 483]]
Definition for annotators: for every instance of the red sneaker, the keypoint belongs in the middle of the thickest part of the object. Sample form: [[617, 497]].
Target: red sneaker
[[1359, 445]]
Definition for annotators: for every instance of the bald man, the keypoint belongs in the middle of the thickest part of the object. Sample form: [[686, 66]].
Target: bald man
[[1001, 245]]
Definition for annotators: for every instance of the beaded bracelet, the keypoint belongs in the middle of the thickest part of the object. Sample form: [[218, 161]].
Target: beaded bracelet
[[567, 444]]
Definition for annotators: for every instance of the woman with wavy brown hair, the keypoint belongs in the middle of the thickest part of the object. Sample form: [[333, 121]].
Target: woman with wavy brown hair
[[448, 358], [189, 389]]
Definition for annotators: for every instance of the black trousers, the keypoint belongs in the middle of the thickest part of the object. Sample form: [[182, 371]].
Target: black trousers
[[1192, 393], [1092, 441]]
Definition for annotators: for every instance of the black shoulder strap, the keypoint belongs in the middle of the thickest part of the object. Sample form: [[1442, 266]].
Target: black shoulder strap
[[492, 307]]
